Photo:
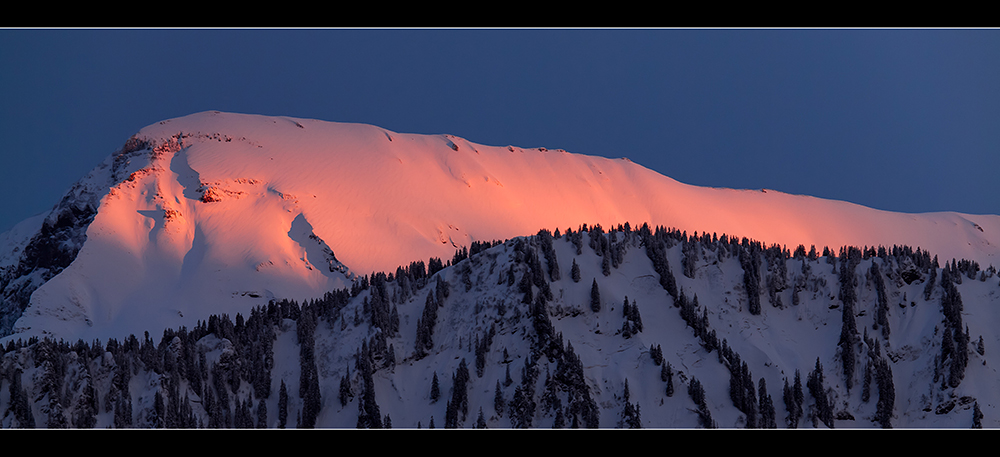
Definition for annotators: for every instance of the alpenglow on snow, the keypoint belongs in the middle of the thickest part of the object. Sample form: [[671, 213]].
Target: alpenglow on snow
[[220, 217]]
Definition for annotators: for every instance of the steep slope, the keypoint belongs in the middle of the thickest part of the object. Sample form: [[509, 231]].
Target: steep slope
[[221, 212], [40, 247]]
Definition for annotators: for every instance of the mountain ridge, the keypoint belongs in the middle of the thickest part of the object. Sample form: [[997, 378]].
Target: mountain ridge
[[182, 190]]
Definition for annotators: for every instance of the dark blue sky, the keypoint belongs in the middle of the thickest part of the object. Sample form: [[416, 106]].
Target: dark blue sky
[[902, 120]]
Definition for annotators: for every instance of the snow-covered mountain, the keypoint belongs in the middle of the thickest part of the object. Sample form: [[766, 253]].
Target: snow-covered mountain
[[218, 212], [212, 216]]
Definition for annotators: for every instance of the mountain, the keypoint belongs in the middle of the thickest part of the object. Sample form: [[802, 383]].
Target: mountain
[[218, 212], [270, 250]]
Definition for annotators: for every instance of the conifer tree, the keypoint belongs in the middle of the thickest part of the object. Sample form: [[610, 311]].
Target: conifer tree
[[657, 252], [368, 410], [19, 403], [798, 396], [460, 389], [866, 382], [123, 410], [749, 260], [630, 412], [481, 349], [550, 396], [595, 297], [156, 419], [955, 342], [309, 375], [768, 416], [261, 413], [57, 416], [882, 312], [481, 421], [667, 375], [560, 420], [697, 394], [786, 395], [450, 415], [435, 388], [550, 254], [656, 352], [345, 389], [690, 251], [849, 259], [824, 411], [426, 322], [886, 393], [518, 410], [929, 286], [282, 405], [498, 401]]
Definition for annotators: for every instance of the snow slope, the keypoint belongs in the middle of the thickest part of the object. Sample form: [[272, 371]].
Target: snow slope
[[223, 211]]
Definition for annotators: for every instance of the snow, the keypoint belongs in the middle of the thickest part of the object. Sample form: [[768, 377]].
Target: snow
[[14, 240], [161, 254], [774, 344]]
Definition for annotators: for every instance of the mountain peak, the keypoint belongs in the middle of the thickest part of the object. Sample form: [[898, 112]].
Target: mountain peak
[[217, 212]]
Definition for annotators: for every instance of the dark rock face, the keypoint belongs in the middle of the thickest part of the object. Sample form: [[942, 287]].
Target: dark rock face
[[910, 275], [50, 251]]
